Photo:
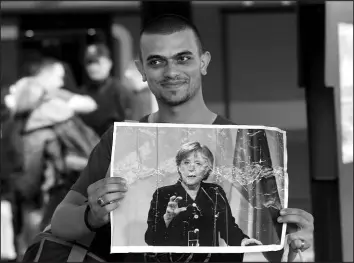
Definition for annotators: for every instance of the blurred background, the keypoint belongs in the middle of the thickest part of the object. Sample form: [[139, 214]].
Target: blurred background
[[276, 63]]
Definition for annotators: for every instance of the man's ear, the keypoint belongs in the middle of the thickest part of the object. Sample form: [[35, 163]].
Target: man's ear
[[139, 66], [205, 60]]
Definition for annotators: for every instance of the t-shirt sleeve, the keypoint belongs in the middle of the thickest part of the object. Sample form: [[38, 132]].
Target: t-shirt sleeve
[[97, 165]]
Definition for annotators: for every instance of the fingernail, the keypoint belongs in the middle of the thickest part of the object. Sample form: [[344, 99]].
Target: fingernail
[[282, 212], [280, 219]]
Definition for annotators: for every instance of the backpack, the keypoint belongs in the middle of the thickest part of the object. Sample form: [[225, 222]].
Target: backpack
[[46, 247], [76, 137]]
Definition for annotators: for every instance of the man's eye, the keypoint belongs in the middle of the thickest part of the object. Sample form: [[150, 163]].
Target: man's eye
[[155, 62], [184, 58]]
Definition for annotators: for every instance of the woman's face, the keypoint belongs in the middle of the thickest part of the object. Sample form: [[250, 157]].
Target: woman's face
[[193, 168]]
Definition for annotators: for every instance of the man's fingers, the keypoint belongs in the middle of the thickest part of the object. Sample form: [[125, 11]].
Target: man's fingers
[[111, 188], [296, 211], [110, 207], [296, 219], [112, 197], [299, 245], [299, 240], [106, 181]]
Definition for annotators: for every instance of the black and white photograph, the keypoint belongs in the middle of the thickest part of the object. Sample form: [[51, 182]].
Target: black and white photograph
[[199, 188], [176, 131]]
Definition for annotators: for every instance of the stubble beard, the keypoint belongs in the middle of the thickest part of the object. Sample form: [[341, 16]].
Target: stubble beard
[[190, 93]]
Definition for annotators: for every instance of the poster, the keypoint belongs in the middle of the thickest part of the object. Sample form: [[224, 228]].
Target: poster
[[199, 188]]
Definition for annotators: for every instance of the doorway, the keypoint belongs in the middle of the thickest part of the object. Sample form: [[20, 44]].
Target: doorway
[[64, 37]]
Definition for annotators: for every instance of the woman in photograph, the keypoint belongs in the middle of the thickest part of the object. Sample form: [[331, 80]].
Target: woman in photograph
[[193, 212]]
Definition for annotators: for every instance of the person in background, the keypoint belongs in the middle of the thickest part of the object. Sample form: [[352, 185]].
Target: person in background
[[144, 102], [113, 99], [11, 165], [56, 144]]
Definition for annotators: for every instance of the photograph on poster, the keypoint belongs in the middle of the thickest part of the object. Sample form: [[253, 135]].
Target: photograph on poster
[[199, 188]]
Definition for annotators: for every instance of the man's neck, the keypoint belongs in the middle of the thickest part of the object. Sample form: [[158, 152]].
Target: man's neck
[[193, 111]]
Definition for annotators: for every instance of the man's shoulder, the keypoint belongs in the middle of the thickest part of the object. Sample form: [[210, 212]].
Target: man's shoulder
[[222, 121], [107, 137], [145, 119], [218, 121]]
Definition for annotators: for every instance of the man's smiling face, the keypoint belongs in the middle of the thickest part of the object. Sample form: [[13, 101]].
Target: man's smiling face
[[172, 64]]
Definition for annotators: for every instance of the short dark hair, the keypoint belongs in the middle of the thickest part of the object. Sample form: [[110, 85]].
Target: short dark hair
[[168, 24], [191, 147]]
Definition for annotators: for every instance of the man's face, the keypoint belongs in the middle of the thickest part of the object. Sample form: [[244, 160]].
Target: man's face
[[172, 66], [193, 168], [99, 69]]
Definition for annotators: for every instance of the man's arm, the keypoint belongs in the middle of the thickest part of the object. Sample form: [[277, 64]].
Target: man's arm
[[68, 218]]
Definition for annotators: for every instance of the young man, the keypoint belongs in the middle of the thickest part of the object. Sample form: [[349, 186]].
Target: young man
[[172, 61]]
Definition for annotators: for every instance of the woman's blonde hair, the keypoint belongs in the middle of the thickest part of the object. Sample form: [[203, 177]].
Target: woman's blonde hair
[[190, 147]]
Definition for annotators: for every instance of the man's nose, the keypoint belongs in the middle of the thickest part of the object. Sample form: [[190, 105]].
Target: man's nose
[[171, 70]]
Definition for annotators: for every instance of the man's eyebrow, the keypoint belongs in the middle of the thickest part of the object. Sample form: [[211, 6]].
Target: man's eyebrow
[[154, 57], [183, 53]]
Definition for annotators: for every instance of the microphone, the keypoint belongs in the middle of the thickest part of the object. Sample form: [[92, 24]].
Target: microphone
[[217, 191]]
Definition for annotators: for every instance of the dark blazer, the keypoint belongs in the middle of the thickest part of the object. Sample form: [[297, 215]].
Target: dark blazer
[[210, 204]]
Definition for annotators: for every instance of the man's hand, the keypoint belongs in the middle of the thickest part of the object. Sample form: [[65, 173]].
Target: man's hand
[[300, 229], [110, 191], [172, 209]]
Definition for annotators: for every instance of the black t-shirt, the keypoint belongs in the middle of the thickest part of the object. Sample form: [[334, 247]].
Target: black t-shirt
[[111, 98], [96, 169]]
